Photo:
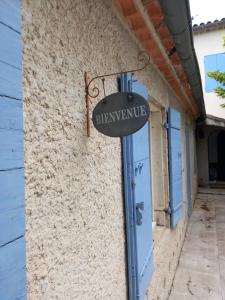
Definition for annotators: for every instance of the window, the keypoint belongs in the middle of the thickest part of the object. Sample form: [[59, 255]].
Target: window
[[215, 62], [158, 155]]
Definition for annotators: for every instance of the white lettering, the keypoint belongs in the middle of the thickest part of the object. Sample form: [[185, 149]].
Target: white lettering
[[106, 115], [143, 111], [98, 119], [102, 118], [136, 111], [123, 111], [118, 114], [112, 116], [129, 113], [121, 115]]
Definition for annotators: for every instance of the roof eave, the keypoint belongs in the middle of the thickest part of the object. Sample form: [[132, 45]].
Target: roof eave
[[147, 23], [178, 19]]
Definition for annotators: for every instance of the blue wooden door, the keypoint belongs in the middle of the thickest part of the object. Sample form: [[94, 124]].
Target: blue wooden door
[[12, 213], [136, 161], [175, 166], [188, 169]]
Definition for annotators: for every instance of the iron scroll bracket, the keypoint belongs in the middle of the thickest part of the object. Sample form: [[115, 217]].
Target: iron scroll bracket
[[93, 92]]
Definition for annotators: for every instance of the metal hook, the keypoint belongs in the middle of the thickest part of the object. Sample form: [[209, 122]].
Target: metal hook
[[103, 85], [143, 57]]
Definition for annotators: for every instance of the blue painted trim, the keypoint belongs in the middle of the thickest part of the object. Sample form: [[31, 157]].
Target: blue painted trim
[[129, 200], [135, 150]]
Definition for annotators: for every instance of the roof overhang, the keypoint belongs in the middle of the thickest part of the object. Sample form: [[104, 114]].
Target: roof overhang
[[214, 121], [163, 28]]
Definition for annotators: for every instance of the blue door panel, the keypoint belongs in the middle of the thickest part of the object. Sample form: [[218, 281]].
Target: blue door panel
[[128, 173], [10, 14], [12, 258], [11, 224], [138, 202], [142, 188], [11, 189], [175, 166], [144, 232], [12, 210], [11, 149], [141, 149], [10, 81], [10, 114], [10, 42], [14, 285]]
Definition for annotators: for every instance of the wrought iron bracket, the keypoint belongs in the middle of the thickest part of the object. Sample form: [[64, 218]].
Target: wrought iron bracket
[[93, 92]]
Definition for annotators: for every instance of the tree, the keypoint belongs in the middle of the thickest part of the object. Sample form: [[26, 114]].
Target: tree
[[220, 77]]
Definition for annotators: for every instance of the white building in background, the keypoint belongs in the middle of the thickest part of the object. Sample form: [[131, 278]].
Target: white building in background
[[208, 41]]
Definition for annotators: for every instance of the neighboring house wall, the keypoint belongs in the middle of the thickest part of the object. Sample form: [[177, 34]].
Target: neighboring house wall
[[75, 218], [210, 52], [210, 43]]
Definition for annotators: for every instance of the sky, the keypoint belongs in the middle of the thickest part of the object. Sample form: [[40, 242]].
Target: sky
[[207, 10]]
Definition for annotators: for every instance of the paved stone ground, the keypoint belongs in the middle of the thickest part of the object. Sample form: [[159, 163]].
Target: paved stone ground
[[201, 270]]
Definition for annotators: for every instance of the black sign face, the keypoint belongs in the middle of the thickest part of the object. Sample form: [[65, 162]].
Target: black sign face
[[120, 114]]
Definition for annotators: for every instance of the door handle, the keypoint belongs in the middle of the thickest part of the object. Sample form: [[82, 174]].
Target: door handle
[[139, 209]]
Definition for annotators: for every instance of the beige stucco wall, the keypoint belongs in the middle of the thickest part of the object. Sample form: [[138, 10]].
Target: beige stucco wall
[[209, 43], [74, 201]]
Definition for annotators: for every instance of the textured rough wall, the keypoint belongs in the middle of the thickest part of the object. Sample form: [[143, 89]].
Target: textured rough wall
[[167, 247], [75, 223], [74, 204]]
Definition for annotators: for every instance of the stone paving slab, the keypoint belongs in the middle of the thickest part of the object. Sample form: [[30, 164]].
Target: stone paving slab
[[201, 271]]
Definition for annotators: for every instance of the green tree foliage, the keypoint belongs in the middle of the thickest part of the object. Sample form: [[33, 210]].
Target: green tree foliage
[[220, 77]]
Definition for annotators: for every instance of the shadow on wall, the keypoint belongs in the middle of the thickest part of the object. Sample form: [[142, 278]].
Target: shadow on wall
[[216, 148]]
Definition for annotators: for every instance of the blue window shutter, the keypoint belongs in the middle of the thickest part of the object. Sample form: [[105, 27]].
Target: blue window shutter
[[214, 62], [221, 62], [210, 65], [12, 211], [137, 186], [175, 166], [188, 169]]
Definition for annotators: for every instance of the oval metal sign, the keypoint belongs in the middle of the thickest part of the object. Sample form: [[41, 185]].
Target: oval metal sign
[[120, 114]]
